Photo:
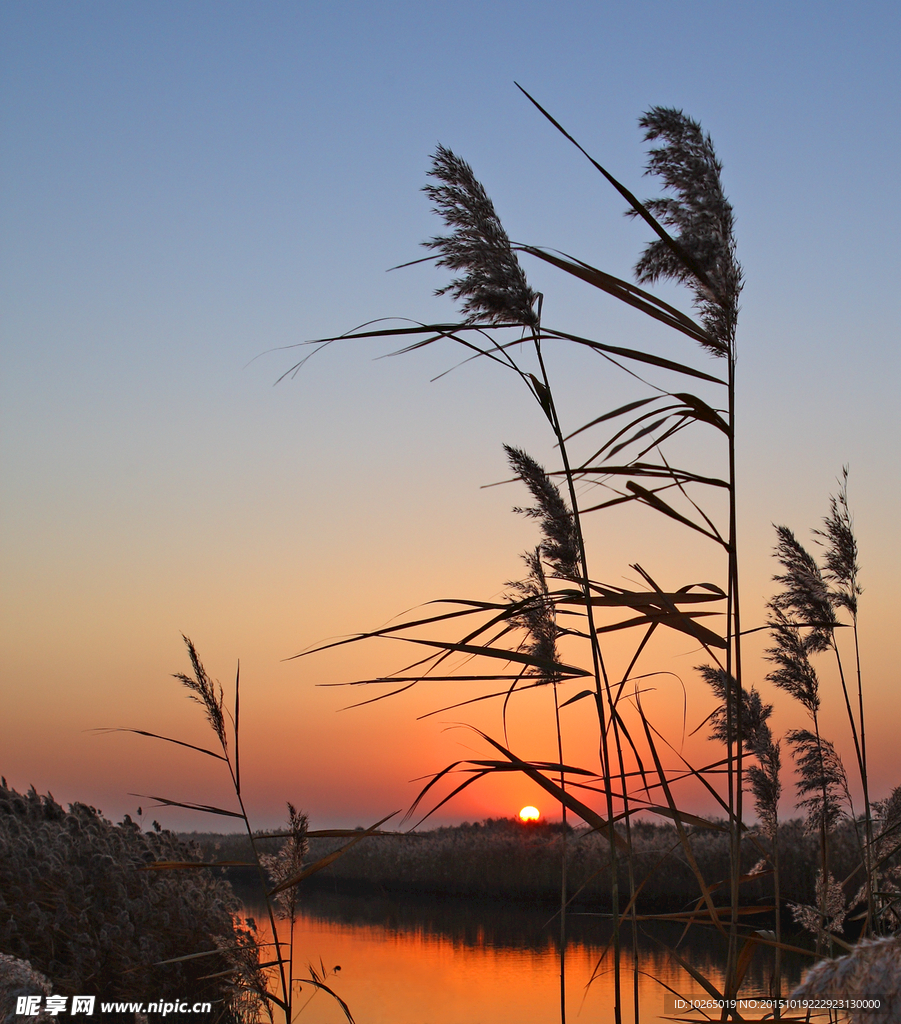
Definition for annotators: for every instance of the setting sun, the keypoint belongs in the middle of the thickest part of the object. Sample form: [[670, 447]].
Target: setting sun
[[529, 814]]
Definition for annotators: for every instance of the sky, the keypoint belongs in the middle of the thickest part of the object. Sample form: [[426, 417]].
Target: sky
[[188, 191]]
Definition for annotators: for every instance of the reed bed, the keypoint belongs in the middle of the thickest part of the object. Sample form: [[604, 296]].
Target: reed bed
[[78, 904], [502, 859]]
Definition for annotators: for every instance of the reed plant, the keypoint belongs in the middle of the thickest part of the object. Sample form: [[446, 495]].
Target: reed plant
[[806, 623], [261, 970], [624, 456]]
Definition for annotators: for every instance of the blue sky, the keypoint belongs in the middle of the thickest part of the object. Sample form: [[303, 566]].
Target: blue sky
[[188, 187]]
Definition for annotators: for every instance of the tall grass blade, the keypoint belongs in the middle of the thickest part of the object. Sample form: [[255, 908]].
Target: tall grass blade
[[166, 739], [677, 250], [622, 290], [649, 498], [207, 808], [634, 354]]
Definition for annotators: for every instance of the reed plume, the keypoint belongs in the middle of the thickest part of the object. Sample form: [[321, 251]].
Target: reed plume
[[750, 718], [833, 908], [537, 617], [840, 544], [791, 652], [203, 690], [887, 824], [821, 778], [872, 970], [805, 593], [494, 287], [560, 546], [288, 861], [886, 877], [750, 721], [698, 209]]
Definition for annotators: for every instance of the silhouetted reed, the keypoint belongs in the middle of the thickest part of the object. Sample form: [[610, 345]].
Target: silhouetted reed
[[277, 874], [504, 320], [494, 287]]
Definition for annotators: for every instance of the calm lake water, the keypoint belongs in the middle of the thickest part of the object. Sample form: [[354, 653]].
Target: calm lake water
[[448, 961]]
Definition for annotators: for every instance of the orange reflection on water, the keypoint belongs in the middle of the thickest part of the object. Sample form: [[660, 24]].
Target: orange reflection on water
[[408, 978], [411, 976]]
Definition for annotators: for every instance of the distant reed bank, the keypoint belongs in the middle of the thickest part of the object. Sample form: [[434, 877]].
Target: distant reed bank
[[505, 859]]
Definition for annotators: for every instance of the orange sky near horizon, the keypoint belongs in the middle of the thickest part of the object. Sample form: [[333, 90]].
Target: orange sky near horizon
[[181, 210]]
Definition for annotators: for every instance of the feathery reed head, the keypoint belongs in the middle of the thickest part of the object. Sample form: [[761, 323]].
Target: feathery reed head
[[821, 779], [494, 286], [755, 732], [791, 652], [840, 544], [757, 739], [203, 690], [698, 209], [831, 901], [537, 615], [806, 592], [766, 787], [886, 817], [887, 821], [763, 778], [288, 862], [560, 546], [872, 970]]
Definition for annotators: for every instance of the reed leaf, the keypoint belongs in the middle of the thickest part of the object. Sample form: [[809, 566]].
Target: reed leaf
[[316, 981], [651, 470], [207, 808], [622, 290], [634, 354], [651, 499], [686, 966], [166, 739]]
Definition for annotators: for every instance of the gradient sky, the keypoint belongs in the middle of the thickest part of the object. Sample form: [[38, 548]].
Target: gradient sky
[[189, 188]]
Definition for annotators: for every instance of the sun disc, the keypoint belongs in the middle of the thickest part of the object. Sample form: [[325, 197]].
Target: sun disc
[[529, 814]]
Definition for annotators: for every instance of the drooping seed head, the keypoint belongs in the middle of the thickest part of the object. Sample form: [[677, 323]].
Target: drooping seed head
[[560, 545], [704, 222], [494, 287]]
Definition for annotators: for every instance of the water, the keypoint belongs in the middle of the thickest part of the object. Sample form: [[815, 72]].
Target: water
[[449, 961]]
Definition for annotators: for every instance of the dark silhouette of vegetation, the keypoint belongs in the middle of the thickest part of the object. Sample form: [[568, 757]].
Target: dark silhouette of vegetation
[[79, 903], [507, 860], [526, 640], [264, 973]]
